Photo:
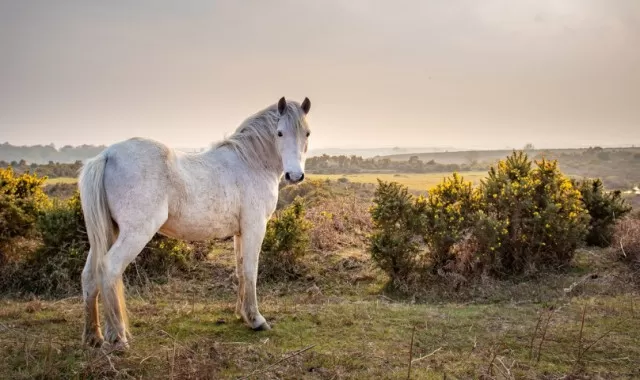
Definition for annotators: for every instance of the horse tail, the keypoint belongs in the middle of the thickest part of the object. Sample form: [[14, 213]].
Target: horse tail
[[97, 216]]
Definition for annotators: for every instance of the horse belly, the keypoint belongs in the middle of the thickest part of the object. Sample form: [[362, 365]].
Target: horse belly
[[199, 225]]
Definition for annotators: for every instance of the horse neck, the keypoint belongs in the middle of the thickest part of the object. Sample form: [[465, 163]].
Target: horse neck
[[270, 163]]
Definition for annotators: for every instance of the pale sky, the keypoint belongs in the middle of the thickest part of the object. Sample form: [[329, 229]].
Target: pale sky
[[463, 73]]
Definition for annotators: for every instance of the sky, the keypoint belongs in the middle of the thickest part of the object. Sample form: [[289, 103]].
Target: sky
[[464, 73]]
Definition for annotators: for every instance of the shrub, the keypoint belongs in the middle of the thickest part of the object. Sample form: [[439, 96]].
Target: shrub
[[21, 202], [396, 220], [447, 215], [533, 217], [285, 243], [524, 216], [161, 258], [63, 225], [604, 208], [55, 267]]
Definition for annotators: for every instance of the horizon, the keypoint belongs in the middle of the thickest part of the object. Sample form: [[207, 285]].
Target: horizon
[[399, 149]]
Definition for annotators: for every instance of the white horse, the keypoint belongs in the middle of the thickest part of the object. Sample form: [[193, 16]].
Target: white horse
[[138, 187]]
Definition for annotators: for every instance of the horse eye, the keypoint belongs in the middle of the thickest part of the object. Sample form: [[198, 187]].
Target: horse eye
[[308, 133], [279, 133]]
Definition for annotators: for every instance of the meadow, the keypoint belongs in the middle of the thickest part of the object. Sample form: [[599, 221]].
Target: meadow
[[63, 180], [339, 323], [414, 181]]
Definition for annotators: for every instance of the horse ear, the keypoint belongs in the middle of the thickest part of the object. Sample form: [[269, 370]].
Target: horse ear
[[282, 105], [306, 105]]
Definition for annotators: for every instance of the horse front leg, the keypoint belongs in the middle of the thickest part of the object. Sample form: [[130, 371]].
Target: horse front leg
[[251, 242]]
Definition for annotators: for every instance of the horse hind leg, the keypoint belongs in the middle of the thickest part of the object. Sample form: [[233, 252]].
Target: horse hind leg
[[237, 242], [129, 244], [91, 335]]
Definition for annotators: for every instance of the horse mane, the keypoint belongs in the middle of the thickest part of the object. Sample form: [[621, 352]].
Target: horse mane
[[254, 141]]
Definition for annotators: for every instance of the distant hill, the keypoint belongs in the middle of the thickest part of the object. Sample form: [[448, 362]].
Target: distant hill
[[374, 152], [42, 154], [468, 156]]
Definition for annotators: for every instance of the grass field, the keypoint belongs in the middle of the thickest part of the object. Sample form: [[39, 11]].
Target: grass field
[[412, 180], [343, 326], [53, 181]]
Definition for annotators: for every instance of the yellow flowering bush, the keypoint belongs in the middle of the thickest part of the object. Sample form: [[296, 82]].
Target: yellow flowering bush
[[22, 200], [54, 267], [523, 217], [447, 215], [537, 218], [286, 241]]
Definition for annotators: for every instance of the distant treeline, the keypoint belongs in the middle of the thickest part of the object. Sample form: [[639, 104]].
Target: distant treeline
[[619, 168], [42, 154], [316, 165], [326, 164], [51, 170]]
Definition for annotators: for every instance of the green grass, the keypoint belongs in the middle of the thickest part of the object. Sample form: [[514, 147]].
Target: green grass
[[53, 181], [186, 329], [412, 180]]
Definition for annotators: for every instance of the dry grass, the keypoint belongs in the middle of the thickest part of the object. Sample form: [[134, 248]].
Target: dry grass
[[626, 241], [418, 182], [53, 181], [337, 324], [339, 222]]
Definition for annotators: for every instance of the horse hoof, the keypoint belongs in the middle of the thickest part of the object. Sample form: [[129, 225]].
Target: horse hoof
[[119, 346], [263, 327], [94, 341]]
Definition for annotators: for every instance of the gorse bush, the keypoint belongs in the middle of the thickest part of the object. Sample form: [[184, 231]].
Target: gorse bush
[[54, 268], [285, 243], [57, 264], [63, 225], [21, 202], [538, 214], [605, 208], [161, 257], [393, 244], [523, 217], [447, 215]]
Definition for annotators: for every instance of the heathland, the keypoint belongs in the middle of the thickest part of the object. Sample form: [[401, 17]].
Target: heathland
[[512, 269]]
